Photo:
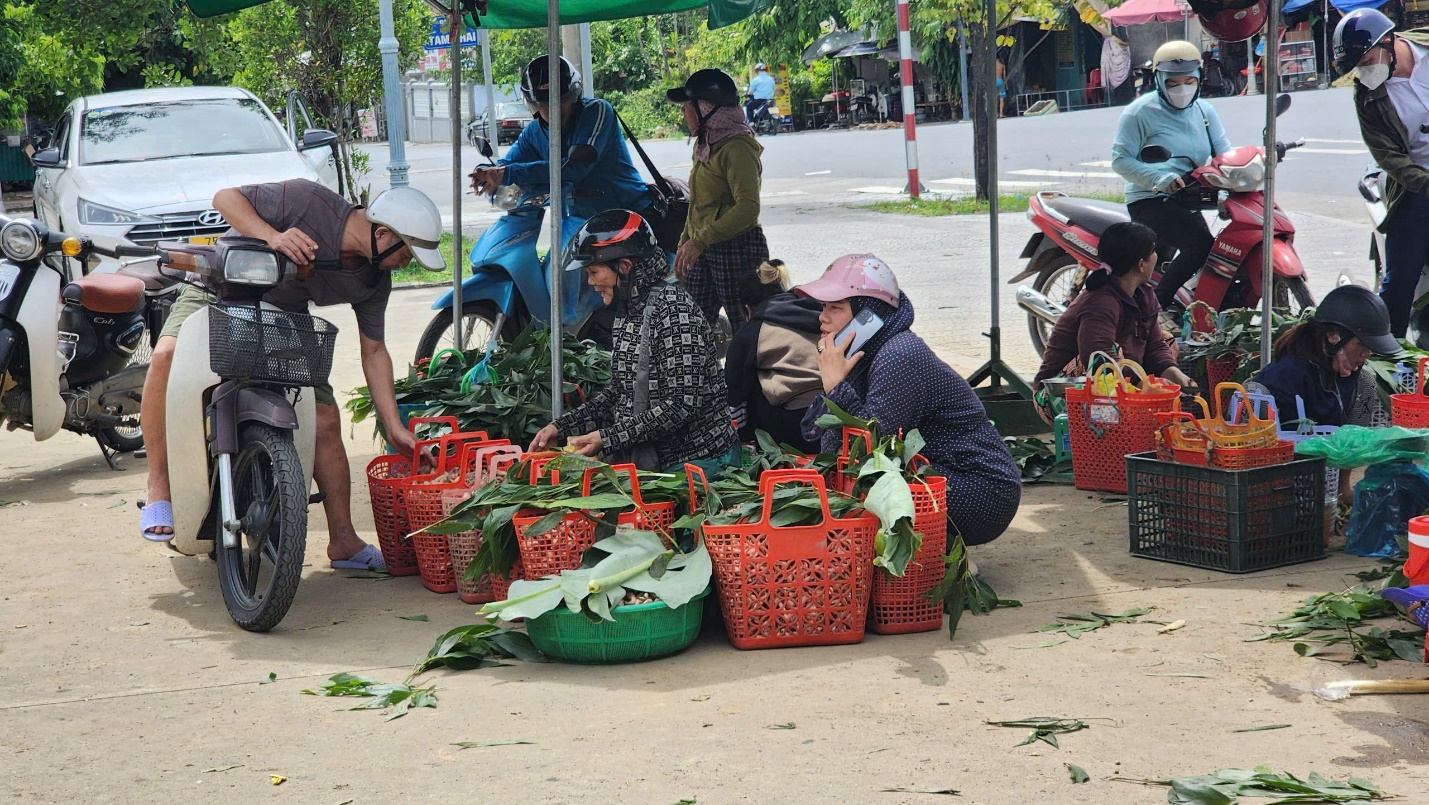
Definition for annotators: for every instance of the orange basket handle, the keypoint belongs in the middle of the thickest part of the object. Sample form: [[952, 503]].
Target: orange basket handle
[[449, 421], [628, 469], [692, 470], [1136, 369], [850, 434], [539, 462], [1234, 388], [773, 478]]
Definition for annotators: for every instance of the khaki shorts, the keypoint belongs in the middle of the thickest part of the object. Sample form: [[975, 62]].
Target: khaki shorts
[[190, 301]]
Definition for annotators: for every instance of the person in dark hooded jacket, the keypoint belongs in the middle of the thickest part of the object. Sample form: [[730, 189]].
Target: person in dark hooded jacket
[[772, 367], [896, 379], [665, 404]]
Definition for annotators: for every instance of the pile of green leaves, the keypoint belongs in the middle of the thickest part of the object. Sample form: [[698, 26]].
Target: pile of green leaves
[[492, 508], [1037, 461], [1226, 786], [628, 560], [1385, 370], [380, 695], [1339, 619], [1238, 336], [514, 401], [1074, 626], [479, 646]]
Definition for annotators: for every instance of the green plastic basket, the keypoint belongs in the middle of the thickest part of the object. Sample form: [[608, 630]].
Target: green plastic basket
[[639, 632]]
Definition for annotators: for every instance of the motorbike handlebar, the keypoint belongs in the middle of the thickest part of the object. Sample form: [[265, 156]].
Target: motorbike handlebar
[[125, 250]]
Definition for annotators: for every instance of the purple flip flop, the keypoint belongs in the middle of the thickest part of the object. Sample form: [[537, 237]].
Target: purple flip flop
[[369, 558], [1412, 600]]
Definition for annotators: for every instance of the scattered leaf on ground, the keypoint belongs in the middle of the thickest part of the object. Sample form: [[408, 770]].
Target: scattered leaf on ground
[[272, 677], [703, 697], [374, 575], [1074, 626], [479, 744], [217, 769], [401, 698], [1224, 787], [1264, 728], [690, 801], [1079, 775], [952, 792], [1044, 728], [1044, 644], [1184, 676], [785, 726], [422, 618], [1171, 627], [277, 779]]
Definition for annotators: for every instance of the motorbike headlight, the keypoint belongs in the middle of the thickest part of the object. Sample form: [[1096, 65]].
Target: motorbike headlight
[[98, 214], [507, 197], [1240, 178], [20, 241], [251, 267]]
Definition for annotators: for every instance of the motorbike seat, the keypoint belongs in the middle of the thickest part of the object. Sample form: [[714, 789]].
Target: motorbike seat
[[108, 293], [148, 273], [1090, 214]]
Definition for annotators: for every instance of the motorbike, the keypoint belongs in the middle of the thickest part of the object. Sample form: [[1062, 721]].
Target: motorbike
[[74, 352], [1064, 249], [241, 423], [762, 114], [508, 286], [1371, 189]]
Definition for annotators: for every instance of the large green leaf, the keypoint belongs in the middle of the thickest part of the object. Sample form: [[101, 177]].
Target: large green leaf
[[527, 599]]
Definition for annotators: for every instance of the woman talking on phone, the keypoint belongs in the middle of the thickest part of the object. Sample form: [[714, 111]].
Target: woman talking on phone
[[874, 367]]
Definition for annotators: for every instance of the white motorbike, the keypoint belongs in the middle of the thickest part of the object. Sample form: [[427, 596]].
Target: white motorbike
[[1372, 191], [241, 424]]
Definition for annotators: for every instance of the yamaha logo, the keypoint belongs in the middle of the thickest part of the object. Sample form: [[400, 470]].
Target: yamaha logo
[[211, 218]]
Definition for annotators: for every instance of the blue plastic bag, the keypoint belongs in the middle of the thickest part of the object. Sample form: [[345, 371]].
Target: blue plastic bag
[[1391, 493]]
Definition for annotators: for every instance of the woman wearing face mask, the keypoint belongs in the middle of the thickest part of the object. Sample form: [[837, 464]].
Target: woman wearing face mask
[[1392, 100], [896, 379], [1176, 119], [665, 405]]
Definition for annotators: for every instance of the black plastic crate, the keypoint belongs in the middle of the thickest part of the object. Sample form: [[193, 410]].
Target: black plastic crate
[[1234, 521]]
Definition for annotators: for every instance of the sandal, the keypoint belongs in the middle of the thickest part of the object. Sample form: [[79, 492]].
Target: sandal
[[1412, 600], [159, 514], [369, 558]]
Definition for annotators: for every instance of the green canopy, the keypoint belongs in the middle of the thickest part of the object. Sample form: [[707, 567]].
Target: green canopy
[[532, 13]]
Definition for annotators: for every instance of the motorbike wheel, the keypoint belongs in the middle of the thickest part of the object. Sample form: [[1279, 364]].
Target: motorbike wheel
[[1292, 296], [122, 439], [260, 575], [1060, 282], [480, 318]]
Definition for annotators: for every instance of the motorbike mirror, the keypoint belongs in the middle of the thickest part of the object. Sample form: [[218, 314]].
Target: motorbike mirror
[[1155, 153], [1282, 104], [483, 146], [582, 154], [48, 158]]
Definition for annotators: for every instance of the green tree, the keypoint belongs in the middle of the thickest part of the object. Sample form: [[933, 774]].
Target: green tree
[[12, 59]]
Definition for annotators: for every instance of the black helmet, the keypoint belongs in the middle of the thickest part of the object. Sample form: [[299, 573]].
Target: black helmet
[[535, 81], [1362, 312], [1358, 32], [711, 85], [609, 236]]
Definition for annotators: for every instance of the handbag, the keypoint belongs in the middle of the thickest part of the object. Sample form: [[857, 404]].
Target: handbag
[[671, 206]]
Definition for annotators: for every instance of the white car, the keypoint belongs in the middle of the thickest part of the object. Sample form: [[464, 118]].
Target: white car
[[142, 166]]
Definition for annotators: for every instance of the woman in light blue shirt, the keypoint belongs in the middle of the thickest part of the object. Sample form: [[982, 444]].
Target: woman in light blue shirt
[[1178, 120]]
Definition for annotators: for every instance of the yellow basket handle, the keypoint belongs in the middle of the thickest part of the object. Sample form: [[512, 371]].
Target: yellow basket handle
[[1136, 369], [1104, 387]]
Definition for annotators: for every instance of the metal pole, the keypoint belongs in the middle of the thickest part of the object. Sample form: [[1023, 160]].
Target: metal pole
[[392, 93], [1250, 66], [558, 198], [458, 313], [910, 109], [587, 65], [484, 37], [963, 69], [990, 77], [1267, 236]]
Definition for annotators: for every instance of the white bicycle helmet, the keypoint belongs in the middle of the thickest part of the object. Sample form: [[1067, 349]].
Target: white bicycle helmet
[[413, 216]]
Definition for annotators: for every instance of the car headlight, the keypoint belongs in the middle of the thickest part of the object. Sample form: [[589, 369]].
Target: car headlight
[[251, 267], [20, 241], [98, 214]]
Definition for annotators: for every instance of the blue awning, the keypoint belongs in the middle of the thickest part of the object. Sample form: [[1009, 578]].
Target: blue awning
[[1345, 6]]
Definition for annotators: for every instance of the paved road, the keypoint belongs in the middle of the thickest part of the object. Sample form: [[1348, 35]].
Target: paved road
[[1070, 152]]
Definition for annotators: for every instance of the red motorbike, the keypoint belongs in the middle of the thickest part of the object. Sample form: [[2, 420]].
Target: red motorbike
[[1065, 248]]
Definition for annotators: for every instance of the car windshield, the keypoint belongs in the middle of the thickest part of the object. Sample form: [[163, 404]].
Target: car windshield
[[200, 127], [510, 110]]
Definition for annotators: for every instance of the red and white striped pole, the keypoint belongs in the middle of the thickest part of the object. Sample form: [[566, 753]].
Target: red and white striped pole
[[910, 109]]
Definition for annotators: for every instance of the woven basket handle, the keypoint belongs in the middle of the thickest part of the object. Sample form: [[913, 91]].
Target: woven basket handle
[[692, 470], [628, 469], [773, 478]]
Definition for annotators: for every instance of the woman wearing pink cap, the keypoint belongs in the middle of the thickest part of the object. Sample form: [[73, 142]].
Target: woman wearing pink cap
[[893, 377]]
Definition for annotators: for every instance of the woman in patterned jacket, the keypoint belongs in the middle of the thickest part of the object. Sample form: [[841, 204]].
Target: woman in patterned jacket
[[665, 404]]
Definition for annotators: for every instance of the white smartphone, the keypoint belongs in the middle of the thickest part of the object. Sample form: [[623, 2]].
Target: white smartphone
[[865, 323]]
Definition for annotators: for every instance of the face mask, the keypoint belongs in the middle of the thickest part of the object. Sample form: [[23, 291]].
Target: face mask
[[1371, 76], [1181, 97]]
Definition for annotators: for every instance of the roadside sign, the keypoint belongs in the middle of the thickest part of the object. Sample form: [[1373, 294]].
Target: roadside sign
[[441, 39]]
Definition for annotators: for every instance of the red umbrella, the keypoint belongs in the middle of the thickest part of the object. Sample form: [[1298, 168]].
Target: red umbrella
[[1136, 12]]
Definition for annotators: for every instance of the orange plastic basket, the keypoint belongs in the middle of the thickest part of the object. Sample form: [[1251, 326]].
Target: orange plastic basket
[[1411, 410], [657, 517], [843, 482], [434, 562], [898, 605], [1104, 428], [1224, 458], [559, 548], [795, 586], [385, 476]]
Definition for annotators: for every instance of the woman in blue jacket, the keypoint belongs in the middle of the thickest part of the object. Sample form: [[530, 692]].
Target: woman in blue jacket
[[896, 379], [1177, 120]]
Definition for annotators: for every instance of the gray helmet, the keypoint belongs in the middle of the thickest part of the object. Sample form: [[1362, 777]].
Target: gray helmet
[[1360, 311]]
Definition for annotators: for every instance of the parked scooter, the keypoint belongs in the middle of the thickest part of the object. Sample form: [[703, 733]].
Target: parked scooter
[[241, 424], [73, 352], [1065, 248], [508, 286], [1372, 190]]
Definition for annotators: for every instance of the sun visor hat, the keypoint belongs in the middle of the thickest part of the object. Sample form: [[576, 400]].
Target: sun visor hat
[[854, 275]]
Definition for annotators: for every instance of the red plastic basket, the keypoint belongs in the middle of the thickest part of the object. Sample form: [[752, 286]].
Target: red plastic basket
[[657, 517], [1104, 429], [434, 561], [1248, 458], [1221, 369], [1411, 410], [898, 605], [385, 476], [843, 482], [796, 586]]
